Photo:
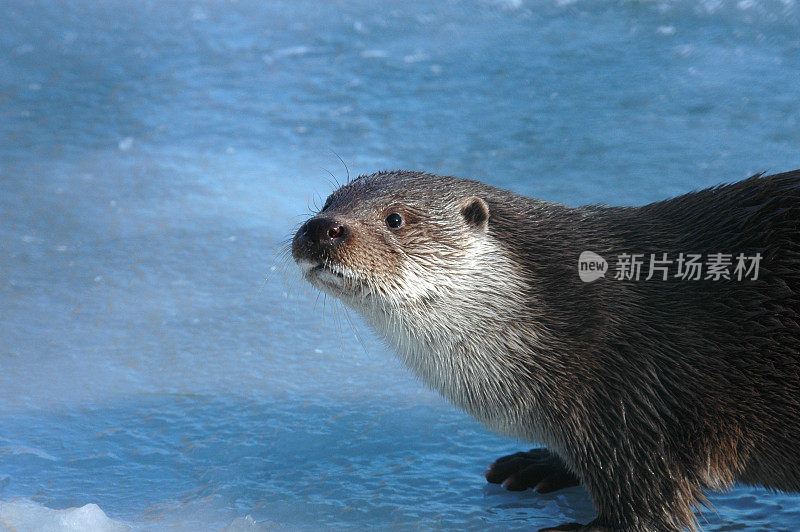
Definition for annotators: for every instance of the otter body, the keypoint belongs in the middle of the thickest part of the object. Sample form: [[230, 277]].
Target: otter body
[[649, 392]]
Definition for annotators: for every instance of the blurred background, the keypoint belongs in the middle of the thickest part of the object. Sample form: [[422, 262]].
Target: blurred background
[[162, 365]]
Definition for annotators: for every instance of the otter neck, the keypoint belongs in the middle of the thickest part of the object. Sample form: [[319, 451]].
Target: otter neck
[[462, 334]]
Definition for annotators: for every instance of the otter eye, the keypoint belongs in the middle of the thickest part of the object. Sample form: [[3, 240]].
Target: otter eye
[[394, 220]]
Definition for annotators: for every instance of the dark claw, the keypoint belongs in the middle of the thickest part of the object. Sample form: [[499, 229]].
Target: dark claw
[[594, 526], [565, 526], [537, 468]]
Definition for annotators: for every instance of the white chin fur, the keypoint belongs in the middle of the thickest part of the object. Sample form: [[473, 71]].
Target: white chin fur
[[327, 278], [306, 265]]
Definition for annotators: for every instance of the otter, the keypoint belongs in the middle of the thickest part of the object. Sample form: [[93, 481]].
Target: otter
[[649, 390]]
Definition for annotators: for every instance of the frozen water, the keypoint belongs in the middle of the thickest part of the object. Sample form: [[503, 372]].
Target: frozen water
[[26, 515], [162, 366]]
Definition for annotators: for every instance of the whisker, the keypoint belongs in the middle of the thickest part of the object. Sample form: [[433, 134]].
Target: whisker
[[343, 163], [355, 330], [335, 184], [316, 301]]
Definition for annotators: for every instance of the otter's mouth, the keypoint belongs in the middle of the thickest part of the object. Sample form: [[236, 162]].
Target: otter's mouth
[[323, 273], [327, 270]]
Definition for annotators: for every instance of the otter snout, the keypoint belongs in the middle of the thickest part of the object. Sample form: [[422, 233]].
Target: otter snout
[[322, 231], [315, 238]]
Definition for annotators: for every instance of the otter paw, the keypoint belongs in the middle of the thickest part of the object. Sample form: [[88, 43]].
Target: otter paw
[[572, 527], [537, 468], [577, 527]]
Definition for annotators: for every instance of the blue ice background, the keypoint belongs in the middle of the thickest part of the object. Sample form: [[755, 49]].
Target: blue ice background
[[159, 356]]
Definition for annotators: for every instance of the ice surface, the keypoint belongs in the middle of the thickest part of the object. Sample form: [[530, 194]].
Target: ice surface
[[28, 516], [162, 364]]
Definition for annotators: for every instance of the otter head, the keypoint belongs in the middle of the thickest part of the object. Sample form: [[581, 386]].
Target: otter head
[[394, 241]]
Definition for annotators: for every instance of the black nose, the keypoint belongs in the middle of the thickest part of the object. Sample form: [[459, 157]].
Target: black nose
[[322, 231]]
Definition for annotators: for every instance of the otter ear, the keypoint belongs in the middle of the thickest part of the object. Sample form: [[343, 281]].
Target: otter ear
[[475, 212]]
